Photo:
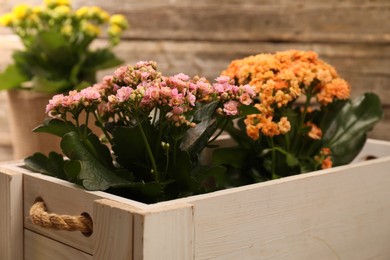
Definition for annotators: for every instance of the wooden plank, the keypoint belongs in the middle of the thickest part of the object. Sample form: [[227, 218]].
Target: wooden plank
[[43, 248], [11, 215], [165, 233], [300, 21], [364, 66], [341, 213], [113, 228]]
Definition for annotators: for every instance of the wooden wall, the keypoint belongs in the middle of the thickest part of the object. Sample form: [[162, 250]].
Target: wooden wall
[[202, 37]]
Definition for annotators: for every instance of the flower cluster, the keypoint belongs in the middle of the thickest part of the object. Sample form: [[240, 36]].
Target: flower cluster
[[156, 126], [279, 80], [27, 21], [57, 55], [137, 90], [298, 117]]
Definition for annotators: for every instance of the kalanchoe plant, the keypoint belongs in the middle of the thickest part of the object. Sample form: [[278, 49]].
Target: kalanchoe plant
[[155, 126], [57, 56], [305, 120]]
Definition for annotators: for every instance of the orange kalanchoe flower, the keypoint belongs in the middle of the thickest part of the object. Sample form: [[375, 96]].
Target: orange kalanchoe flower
[[315, 132], [280, 79]]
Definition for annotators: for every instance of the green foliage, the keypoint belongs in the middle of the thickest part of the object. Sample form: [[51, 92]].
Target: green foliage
[[344, 124], [347, 131]]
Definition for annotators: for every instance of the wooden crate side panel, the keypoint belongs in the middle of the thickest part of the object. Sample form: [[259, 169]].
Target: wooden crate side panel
[[59, 199], [340, 214], [11, 215], [43, 248], [166, 234], [113, 230]]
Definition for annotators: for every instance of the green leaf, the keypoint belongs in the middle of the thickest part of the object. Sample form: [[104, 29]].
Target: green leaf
[[248, 110], [234, 156], [12, 77], [42, 84], [101, 59], [130, 149], [55, 127], [184, 183], [93, 173], [51, 165], [347, 133], [197, 138]]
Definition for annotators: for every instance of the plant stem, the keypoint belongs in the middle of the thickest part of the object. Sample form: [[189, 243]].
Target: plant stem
[[160, 133], [174, 155], [102, 127], [154, 166], [307, 103], [220, 132], [273, 165], [86, 125]]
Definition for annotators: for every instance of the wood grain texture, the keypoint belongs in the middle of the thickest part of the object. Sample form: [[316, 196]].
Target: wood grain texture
[[11, 215], [43, 248], [165, 233], [300, 21], [113, 229], [341, 213]]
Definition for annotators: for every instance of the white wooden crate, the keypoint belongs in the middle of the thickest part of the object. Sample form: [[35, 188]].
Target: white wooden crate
[[338, 213]]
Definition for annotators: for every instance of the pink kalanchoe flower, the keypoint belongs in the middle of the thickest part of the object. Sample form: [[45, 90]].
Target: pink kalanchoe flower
[[191, 98], [245, 99], [123, 94], [230, 108], [166, 92], [72, 100], [249, 89], [177, 110], [54, 103], [177, 98], [90, 94], [120, 72], [223, 80]]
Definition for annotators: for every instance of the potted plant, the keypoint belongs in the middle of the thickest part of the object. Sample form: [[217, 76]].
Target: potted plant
[[56, 57], [154, 131]]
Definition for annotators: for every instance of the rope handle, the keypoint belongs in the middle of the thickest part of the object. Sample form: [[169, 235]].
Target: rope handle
[[39, 216]]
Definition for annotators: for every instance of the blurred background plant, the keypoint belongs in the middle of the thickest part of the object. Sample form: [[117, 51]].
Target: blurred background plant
[[57, 55]]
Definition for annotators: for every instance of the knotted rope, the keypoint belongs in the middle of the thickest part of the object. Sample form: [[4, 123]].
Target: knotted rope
[[39, 216]]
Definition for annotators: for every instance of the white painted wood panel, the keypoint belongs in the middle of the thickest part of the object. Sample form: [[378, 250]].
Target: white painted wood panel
[[165, 233], [11, 215], [334, 214]]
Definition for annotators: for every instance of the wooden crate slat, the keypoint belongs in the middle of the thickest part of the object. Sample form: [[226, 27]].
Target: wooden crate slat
[[11, 215], [43, 248], [336, 214]]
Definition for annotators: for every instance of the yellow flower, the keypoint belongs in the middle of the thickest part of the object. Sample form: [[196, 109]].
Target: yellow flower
[[62, 10], [36, 10], [6, 19], [91, 29], [55, 3], [119, 20], [99, 13], [20, 11], [83, 11], [114, 30], [67, 30]]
